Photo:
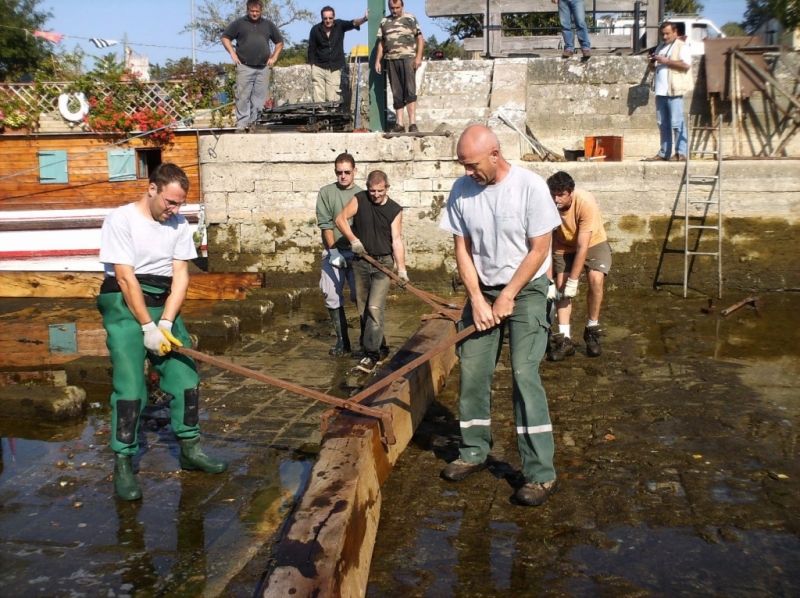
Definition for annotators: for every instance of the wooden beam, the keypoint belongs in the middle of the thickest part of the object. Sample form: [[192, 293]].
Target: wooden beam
[[326, 549], [523, 44], [454, 8], [202, 285]]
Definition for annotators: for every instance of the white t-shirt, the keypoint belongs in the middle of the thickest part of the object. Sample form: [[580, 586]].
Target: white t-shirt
[[662, 70], [499, 219], [131, 239]]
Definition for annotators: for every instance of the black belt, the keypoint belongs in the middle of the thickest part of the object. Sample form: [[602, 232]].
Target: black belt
[[156, 295]]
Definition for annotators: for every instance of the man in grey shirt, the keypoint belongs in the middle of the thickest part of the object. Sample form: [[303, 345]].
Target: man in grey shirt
[[502, 218], [251, 55]]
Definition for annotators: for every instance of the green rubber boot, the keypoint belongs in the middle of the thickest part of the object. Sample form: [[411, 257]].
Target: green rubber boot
[[193, 457], [124, 481]]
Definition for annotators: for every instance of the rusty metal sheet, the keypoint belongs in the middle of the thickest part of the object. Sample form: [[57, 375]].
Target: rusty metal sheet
[[717, 67]]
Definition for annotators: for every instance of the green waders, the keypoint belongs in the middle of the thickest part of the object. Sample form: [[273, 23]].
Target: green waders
[[479, 353], [127, 351]]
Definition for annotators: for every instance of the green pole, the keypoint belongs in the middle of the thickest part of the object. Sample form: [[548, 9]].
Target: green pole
[[377, 83]]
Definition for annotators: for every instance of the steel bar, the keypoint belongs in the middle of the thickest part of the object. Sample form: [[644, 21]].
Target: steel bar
[[384, 417], [425, 357], [738, 305], [436, 302]]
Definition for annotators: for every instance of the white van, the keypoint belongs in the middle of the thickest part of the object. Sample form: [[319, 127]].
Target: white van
[[696, 30]]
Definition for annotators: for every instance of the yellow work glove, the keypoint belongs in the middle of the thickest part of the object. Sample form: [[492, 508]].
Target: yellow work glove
[[159, 339]]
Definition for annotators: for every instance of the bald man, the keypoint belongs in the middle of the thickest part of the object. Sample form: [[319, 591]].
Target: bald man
[[502, 218]]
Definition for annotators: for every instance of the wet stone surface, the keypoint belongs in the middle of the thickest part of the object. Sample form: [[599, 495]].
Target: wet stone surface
[[63, 532], [677, 458]]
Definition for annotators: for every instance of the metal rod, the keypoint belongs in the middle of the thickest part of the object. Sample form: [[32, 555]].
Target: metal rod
[[295, 388], [432, 300], [425, 357]]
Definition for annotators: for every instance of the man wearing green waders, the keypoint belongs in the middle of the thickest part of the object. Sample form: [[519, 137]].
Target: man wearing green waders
[[145, 248]]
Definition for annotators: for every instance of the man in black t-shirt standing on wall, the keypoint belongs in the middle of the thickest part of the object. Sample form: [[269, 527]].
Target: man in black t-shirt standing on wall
[[252, 34], [378, 231]]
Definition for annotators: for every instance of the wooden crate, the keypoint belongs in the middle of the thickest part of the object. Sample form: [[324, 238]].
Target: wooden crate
[[607, 146]]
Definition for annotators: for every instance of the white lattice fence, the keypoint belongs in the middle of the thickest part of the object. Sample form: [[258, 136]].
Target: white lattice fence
[[167, 95]]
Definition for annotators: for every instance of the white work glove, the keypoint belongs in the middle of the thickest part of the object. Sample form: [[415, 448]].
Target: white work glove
[[403, 274], [165, 324], [336, 259], [159, 340], [552, 291], [571, 288], [357, 247]]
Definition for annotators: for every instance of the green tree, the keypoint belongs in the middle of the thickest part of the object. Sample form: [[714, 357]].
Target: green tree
[[732, 29], [514, 24], [294, 54], [20, 52], [757, 11], [215, 15], [450, 48], [65, 65], [683, 7]]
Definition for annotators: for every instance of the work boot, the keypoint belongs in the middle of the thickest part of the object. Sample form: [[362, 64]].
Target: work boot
[[124, 481], [534, 494], [458, 470], [367, 365], [193, 457], [563, 348], [591, 336], [339, 321]]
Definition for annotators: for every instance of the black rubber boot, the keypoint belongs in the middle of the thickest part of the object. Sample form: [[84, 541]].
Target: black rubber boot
[[339, 321], [124, 481], [193, 457]]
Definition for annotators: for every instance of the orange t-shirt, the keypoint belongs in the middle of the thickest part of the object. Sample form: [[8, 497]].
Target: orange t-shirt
[[583, 215]]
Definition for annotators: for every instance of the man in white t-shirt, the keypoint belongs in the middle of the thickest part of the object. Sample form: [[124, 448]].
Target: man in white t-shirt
[[502, 219], [672, 64], [146, 247]]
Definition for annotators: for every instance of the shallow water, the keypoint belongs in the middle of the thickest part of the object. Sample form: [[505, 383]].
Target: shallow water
[[677, 458]]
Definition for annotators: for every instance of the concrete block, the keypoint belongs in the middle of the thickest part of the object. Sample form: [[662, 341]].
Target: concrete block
[[88, 370], [225, 326], [250, 309], [47, 403], [417, 185]]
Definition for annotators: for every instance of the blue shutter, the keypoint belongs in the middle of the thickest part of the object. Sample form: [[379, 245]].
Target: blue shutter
[[53, 166], [122, 165]]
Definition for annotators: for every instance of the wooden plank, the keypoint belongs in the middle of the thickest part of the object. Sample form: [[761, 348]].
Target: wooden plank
[[88, 173], [541, 42], [452, 8], [26, 345], [202, 285], [65, 224]]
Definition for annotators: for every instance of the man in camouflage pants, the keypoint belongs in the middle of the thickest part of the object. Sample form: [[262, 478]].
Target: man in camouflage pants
[[400, 41]]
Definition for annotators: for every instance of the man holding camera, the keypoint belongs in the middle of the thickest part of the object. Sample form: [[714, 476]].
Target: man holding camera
[[672, 64]]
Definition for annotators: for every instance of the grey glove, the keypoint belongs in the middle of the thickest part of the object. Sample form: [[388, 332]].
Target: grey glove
[[336, 259], [403, 274], [357, 247]]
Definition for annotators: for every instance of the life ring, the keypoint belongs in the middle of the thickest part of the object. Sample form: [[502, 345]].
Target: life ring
[[63, 107]]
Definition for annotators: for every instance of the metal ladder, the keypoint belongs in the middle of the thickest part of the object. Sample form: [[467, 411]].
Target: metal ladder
[[714, 199]]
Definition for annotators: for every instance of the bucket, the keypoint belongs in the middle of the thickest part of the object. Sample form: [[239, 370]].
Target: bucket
[[573, 154]]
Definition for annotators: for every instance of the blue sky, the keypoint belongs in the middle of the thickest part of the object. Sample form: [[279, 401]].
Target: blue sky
[[153, 26]]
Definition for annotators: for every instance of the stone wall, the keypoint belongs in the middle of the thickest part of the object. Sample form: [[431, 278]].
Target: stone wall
[[260, 195], [564, 101]]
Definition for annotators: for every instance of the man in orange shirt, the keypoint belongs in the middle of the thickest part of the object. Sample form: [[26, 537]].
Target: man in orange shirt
[[580, 243]]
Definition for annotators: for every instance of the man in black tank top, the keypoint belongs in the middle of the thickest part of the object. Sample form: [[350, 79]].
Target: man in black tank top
[[378, 231]]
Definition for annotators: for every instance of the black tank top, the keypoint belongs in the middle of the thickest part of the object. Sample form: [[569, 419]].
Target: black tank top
[[372, 224]]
